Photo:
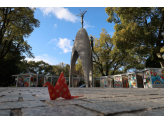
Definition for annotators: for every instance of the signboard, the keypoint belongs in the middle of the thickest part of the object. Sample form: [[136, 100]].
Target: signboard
[[132, 80], [147, 84], [26, 81], [20, 82], [118, 82], [75, 82], [157, 76], [103, 82]]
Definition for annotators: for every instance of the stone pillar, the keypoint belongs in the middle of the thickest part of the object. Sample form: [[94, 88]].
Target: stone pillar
[[37, 81], [91, 72], [29, 80], [17, 80]]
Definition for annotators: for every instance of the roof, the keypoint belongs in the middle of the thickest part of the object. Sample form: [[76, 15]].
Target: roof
[[124, 73], [150, 68], [27, 74]]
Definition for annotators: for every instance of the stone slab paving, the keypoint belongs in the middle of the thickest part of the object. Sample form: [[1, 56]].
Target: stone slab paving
[[93, 100], [42, 97], [146, 104], [21, 104], [150, 112], [69, 110], [109, 108], [29, 97], [157, 100], [11, 99], [4, 112], [31, 101], [4, 93], [66, 102]]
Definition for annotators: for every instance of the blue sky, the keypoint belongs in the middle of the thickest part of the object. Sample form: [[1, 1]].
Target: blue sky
[[52, 41]]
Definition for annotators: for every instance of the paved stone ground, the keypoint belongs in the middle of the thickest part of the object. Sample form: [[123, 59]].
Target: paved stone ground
[[30, 101]]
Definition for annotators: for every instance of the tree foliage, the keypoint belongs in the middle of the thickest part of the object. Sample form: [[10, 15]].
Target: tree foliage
[[61, 67], [152, 64], [138, 30], [16, 23], [78, 69], [108, 59]]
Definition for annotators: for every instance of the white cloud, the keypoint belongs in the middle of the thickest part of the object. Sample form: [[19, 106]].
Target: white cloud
[[65, 45], [62, 43], [55, 25], [60, 13], [46, 58], [52, 41], [86, 25]]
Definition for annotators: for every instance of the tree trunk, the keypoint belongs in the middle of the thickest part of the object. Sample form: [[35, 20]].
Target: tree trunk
[[162, 64], [107, 70]]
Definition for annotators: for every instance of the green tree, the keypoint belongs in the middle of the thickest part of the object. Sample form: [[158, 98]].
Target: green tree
[[10, 67], [39, 67], [16, 23], [66, 70], [139, 31], [108, 59], [96, 71], [78, 68], [61, 67], [152, 64]]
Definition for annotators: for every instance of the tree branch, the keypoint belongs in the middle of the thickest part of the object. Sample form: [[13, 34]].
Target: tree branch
[[107, 44], [3, 47], [96, 56], [8, 48], [114, 69], [113, 60], [5, 24], [100, 66], [147, 25], [16, 49], [160, 31]]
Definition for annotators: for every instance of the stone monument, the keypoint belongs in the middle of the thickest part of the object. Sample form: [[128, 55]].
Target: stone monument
[[82, 48]]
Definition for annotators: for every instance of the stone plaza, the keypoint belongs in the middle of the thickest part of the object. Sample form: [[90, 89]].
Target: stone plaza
[[35, 101]]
